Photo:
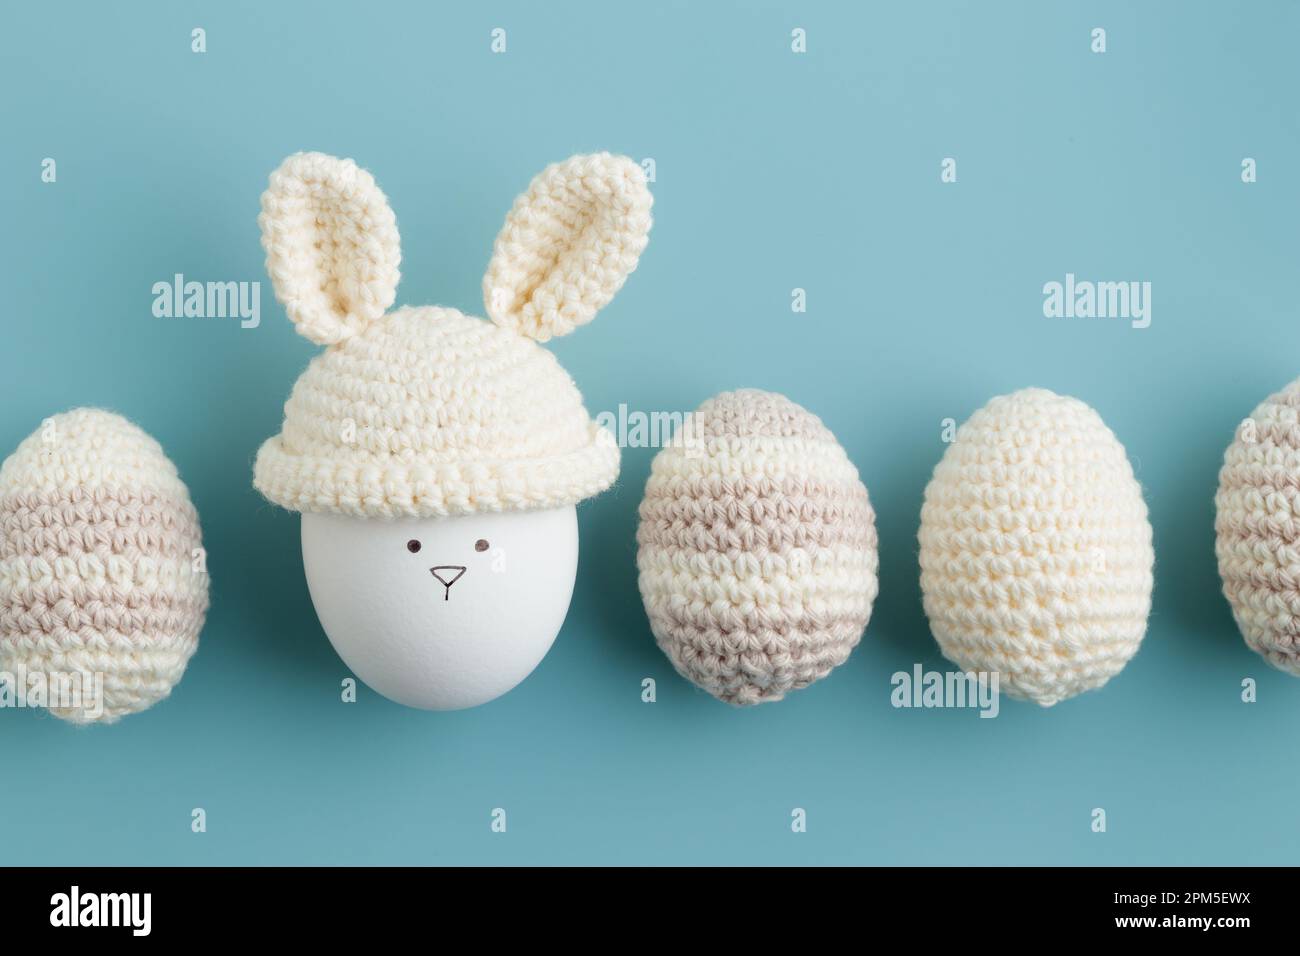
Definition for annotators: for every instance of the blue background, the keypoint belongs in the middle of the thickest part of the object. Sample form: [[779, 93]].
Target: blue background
[[774, 170]]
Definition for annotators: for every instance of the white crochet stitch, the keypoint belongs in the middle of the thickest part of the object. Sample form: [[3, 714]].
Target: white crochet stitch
[[414, 442], [103, 585], [1256, 529], [1036, 557]]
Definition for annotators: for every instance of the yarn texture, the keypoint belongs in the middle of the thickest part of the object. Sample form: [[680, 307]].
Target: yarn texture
[[332, 248], [1256, 529], [756, 549], [97, 572], [427, 412], [568, 245], [1035, 548]]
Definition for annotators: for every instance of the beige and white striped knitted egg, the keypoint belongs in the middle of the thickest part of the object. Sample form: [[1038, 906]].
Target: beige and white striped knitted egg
[[1036, 557], [757, 549], [1257, 529], [99, 585]]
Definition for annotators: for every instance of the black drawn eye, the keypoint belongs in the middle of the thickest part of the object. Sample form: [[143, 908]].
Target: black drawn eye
[[481, 544], [413, 546]]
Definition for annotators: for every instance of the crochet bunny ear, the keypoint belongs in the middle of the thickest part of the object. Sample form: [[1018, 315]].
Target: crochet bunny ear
[[332, 248], [567, 245]]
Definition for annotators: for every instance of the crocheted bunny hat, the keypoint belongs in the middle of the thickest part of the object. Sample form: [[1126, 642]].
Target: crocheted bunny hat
[[427, 412]]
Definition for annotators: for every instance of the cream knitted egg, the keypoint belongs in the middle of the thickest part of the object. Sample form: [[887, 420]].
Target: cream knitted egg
[[757, 549], [1036, 558], [1256, 529], [103, 588]]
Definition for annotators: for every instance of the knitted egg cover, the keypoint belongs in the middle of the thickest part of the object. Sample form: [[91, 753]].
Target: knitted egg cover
[[757, 550], [1256, 529], [97, 564], [427, 412], [1035, 548]]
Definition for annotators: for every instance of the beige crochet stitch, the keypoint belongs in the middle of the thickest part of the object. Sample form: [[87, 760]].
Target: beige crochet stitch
[[98, 572], [757, 549], [427, 412], [1036, 557], [1256, 529]]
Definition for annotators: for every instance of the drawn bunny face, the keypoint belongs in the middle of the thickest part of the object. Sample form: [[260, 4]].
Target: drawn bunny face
[[421, 433], [442, 613]]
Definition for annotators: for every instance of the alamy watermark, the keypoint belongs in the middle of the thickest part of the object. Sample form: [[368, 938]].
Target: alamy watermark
[[208, 300], [925, 689], [637, 429], [81, 691], [1085, 299], [76, 908]]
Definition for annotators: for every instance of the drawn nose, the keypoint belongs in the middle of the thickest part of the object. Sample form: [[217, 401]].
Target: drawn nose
[[445, 581]]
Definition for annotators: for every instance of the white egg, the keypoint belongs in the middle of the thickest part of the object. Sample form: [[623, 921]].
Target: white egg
[[442, 613]]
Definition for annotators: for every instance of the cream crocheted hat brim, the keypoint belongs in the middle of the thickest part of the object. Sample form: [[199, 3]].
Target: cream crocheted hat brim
[[396, 489], [432, 413]]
